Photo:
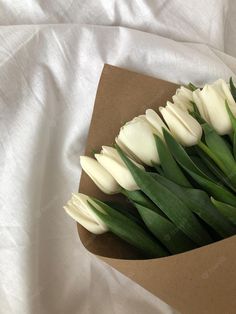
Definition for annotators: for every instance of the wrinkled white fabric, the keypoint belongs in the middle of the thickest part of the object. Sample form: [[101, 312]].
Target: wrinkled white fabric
[[51, 57]]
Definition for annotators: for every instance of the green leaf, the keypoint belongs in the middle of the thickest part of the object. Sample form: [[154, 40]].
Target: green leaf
[[218, 146], [165, 231], [158, 169], [232, 88], [140, 198], [214, 189], [195, 108], [196, 115], [217, 172], [128, 230], [131, 213], [231, 116], [185, 161], [170, 167], [234, 145], [180, 155], [233, 123], [212, 155], [169, 203], [220, 153], [199, 202], [226, 210], [203, 167]]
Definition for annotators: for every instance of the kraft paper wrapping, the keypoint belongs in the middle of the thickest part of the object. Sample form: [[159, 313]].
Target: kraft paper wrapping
[[201, 281]]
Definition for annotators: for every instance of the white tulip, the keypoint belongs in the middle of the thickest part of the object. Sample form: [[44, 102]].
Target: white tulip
[[199, 103], [100, 176], [110, 159], [79, 209], [126, 150], [211, 105], [137, 136], [182, 125], [183, 98], [155, 120]]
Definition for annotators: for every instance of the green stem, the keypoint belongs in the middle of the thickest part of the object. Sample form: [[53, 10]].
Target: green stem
[[206, 150], [192, 87]]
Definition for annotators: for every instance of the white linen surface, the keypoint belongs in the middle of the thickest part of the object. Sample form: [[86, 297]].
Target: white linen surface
[[51, 57]]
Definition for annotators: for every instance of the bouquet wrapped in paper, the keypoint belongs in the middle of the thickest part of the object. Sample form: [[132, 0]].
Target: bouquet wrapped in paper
[[157, 196]]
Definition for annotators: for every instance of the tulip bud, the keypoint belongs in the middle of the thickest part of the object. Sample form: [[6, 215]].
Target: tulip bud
[[199, 103], [79, 209], [155, 120], [137, 136], [183, 98], [126, 150], [182, 125], [100, 176], [112, 162], [211, 105]]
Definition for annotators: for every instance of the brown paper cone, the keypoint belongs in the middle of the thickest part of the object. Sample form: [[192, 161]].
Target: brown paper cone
[[202, 281]]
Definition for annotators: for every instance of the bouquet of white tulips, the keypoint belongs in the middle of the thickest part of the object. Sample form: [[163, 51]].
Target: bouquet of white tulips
[[177, 170]]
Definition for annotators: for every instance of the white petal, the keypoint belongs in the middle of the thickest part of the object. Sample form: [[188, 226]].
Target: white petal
[[187, 120], [228, 96], [79, 209], [214, 102], [183, 98], [81, 201], [126, 150], [200, 105], [155, 120], [182, 125], [99, 175], [137, 135], [119, 172], [113, 153], [185, 92]]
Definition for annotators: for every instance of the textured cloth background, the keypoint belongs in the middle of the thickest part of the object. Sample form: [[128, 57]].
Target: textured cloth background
[[51, 57]]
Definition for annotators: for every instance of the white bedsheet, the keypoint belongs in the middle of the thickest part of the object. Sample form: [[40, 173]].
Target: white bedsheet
[[51, 57]]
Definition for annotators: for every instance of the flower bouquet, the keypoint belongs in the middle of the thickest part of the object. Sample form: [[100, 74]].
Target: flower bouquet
[[162, 183]]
